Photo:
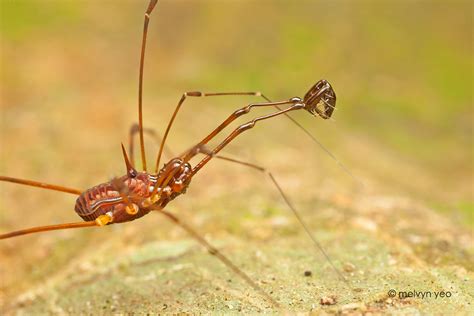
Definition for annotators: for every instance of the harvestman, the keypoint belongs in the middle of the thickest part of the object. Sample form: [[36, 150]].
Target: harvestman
[[137, 193]]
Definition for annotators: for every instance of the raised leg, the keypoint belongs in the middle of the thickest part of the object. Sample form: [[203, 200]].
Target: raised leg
[[213, 251], [295, 105], [200, 94], [151, 6], [246, 109], [312, 95]]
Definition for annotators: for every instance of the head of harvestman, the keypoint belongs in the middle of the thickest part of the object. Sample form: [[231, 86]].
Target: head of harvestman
[[320, 100]]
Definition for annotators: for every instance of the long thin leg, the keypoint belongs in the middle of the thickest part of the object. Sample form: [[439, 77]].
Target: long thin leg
[[134, 129], [48, 228], [199, 94], [41, 185], [258, 94], [213, 251], [192, 152], [295, 105], [240, 129], [290, 205], [243, 111], [150, 8]]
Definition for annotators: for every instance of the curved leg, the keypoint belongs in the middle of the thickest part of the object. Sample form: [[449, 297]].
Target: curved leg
[[246, 109], [237, 114], [295, 105], [199, 94], [151, 6], [276, 105]]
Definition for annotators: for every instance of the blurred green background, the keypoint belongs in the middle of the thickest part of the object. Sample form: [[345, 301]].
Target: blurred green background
[[403, 75]]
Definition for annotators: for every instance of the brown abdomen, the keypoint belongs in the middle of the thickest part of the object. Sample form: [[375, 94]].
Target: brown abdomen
[[96, 201]]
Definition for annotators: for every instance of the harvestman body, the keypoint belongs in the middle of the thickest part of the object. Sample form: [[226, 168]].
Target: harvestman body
[[137, 193]]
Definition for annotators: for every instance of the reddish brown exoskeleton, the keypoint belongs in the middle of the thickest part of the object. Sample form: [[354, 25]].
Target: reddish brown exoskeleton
[[137, 193]]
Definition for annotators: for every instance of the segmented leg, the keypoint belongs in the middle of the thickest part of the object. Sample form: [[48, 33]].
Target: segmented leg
[[295, 105], [258, 94], [196, 94]]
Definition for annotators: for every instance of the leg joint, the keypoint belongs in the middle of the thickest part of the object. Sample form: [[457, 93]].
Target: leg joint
[[246, 126], [193, 94], [242, 111]]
